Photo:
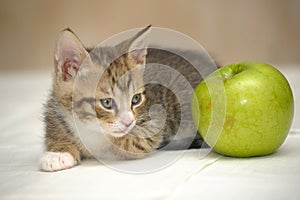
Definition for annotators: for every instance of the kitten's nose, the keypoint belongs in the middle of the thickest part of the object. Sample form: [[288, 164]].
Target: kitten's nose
[[127, 121]]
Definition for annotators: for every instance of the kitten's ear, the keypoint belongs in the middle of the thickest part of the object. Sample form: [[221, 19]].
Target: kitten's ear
[[69, 54], [138, 45]]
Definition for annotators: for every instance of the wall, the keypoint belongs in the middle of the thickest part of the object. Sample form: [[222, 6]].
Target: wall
[[231, 30]]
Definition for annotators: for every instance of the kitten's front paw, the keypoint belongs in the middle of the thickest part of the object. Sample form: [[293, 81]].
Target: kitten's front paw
[[55, 161]]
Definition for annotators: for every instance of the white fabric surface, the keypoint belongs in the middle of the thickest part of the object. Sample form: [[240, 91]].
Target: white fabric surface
[[191, 177]]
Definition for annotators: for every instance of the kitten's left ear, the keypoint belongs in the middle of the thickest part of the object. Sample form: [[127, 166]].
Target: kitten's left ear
[[138, 45]]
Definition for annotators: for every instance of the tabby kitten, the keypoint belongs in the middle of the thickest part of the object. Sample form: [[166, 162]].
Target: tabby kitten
[[119, 102]]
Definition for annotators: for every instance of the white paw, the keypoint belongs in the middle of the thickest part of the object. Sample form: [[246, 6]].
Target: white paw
[[55, 161]]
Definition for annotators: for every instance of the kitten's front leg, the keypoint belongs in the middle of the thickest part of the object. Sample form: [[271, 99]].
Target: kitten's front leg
[[60, 155], [55, 161]]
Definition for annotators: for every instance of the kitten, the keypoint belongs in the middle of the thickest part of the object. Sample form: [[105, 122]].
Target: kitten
[[120, 102]]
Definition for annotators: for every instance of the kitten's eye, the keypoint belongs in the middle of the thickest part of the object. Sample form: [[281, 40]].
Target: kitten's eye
[[107, 103], [136, 99]]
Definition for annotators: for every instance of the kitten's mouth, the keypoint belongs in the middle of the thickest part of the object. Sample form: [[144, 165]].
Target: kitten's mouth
[[118, 133], [121, 132]]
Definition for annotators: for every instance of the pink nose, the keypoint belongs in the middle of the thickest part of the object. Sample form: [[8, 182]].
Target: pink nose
[[127, 121]]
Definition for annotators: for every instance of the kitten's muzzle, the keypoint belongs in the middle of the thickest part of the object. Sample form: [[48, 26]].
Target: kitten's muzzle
[[124, 127]]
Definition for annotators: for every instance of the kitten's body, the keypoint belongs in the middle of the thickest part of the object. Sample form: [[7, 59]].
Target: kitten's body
[[141, 135]]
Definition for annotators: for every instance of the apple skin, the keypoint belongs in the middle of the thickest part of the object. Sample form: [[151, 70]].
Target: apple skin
[[258, 109]]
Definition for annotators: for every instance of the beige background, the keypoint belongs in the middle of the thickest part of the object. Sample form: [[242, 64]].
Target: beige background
[[231, 30]]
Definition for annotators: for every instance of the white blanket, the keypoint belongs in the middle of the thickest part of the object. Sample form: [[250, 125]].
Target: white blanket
[[191, 176]]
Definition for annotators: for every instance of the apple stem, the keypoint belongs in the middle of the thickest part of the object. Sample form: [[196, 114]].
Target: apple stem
[[230, 72]]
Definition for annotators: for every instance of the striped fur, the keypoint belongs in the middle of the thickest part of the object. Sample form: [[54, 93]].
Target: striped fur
[[120, 80]]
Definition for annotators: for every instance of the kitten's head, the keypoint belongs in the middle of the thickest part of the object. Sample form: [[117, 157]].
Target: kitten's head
[[110, 80]]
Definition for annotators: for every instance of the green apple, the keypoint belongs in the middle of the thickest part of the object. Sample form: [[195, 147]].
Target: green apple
[[244, 109]]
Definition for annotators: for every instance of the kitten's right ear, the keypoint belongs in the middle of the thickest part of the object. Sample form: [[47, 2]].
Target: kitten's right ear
[[69, 54]]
